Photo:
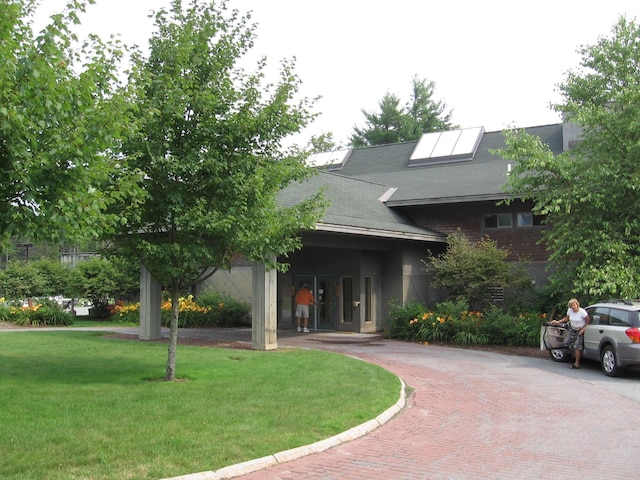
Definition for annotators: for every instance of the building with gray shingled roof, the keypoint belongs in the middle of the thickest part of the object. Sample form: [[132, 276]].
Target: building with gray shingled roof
[[389, 206]]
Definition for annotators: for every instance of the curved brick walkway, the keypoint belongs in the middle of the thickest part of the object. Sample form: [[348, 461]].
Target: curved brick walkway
[[477, 415]]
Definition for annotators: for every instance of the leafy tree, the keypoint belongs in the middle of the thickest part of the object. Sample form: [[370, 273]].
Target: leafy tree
[[60, 114], [39, 278], [210, 146], [381, 128], [99, 279], [322, 143], [55, 276], [21, 280], [590, 193], [395, 124], [470, 271], [422, 113]]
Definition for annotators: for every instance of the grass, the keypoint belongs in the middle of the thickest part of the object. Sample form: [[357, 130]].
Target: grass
[[79, 405]]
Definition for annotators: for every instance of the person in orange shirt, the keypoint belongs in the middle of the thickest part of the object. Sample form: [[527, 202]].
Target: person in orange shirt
[[303, 299]]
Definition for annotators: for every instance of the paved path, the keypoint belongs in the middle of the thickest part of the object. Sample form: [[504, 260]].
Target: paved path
[[477, 415]]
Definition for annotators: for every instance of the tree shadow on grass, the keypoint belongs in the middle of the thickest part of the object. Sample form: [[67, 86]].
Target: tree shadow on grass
[[76, 358]]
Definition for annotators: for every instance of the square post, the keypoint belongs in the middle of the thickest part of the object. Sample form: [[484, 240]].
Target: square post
[[150, 306], [264, 322]]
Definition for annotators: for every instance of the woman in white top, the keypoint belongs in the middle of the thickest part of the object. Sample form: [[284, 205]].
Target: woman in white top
[[579, 319]]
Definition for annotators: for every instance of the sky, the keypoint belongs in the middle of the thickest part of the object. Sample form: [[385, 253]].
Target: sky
[[495, 63]]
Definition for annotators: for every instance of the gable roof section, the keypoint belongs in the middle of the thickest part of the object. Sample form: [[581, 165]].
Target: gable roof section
[[479, 179], [355, 208]]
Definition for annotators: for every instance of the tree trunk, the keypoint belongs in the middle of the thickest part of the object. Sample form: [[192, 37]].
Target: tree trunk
[[173, 337]]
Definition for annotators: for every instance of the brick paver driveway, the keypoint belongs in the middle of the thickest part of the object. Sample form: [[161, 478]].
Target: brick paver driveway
[[480, 415]]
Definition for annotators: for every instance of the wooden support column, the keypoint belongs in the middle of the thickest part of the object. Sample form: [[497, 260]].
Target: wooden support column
[[264, 324], [150, 303]]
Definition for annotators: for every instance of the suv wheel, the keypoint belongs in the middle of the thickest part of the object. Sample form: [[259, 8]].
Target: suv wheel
[[609, 361], [559, 355]]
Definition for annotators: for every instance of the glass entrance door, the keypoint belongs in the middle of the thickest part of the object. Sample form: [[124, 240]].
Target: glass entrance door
[[324, 314]]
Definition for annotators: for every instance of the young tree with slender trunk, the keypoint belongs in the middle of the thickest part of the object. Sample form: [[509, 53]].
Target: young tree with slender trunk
[[209, 139]]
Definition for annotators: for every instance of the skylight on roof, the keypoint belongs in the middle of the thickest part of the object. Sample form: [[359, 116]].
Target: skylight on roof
[[334, 160], [449, 146]]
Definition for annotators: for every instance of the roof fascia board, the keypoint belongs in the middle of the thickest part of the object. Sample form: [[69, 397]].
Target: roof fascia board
[[444, 200], [372, 232]]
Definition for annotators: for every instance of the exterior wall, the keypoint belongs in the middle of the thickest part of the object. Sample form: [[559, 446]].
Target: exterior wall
[[235, 283], [414, 276], [523, 242], [392, 290], [404, 278], [469, 219]]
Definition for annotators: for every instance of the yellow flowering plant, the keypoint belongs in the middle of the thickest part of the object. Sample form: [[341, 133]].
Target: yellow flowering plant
[[200, 312]]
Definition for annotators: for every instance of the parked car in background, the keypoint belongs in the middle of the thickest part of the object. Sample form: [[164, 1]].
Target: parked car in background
[[612, 336]]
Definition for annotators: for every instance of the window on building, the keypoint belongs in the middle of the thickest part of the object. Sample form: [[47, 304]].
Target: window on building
[[500, 220], [528, 219], [525, 219]]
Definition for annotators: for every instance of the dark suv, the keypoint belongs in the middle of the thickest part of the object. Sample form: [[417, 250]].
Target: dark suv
[[613, 335]]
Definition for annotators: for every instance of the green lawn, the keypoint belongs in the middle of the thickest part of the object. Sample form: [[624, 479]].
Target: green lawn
[[78, 405]]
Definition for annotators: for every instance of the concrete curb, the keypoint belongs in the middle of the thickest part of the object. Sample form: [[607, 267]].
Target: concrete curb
[[288, 455]]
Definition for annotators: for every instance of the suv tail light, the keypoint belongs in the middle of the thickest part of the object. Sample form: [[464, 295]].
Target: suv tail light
[[634, 334]]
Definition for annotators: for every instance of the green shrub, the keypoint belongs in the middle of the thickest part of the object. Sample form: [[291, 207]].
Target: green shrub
[[468, 327], [225, 311], [417, 323], [498, 326], [470, 270], [400, 322], [435, 327], [189, 318], [47, 315], [527, 329]]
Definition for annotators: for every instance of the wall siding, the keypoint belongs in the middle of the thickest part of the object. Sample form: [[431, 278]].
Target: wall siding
[[523, 242]]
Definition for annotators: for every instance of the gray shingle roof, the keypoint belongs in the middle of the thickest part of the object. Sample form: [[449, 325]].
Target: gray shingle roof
[[355, 208], [369, 173], [478, 179]]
